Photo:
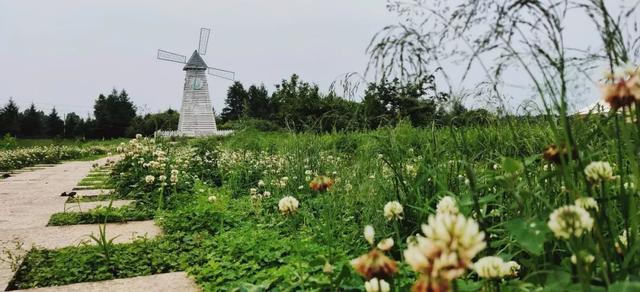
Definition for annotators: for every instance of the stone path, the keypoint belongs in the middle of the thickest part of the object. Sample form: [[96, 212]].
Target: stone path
[[161, 282], [28, 199]]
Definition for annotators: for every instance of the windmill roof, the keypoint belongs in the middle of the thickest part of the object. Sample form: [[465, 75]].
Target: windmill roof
[[195, 62]]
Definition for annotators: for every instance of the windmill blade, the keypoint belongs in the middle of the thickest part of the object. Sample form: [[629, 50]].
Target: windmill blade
[[172, 57], [221, 73], [204, 40]]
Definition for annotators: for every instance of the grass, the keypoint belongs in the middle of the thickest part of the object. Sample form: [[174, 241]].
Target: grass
[[83, 264], [133, 212], [222, 222]]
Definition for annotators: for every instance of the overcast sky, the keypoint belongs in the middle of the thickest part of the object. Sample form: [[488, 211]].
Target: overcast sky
[[64, 53]]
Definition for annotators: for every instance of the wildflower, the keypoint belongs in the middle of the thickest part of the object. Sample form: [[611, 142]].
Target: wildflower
[[288, 205], [375, 285], [622, 242], [447, 205], [557, 154], [622, 91], [587, 203], [393, 210], [149, 179], [570, 221], [173, 179], [321, 183], [162, 178], [212, 199], [266, 194], [599, 171], [369, 234], [253, 191], [493, 267], [385, 244], [327, 268], [586, 258], [138, 136], [455, 233], [375, 265]]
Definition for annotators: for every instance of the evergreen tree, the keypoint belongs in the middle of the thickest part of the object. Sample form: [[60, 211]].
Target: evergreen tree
[[31, 122], [259, 103], [236, 102], [10, 119], [113, 114], [54, 125], [72, 125]]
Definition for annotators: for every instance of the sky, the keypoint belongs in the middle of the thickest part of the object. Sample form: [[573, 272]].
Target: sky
[[65, 53]]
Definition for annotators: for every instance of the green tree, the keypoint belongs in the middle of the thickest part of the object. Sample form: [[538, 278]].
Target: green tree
[[236, 103], [259, 105], [72, 125], [31, 122], [10, 119], [113, 114], [297, 104], [54, 126]]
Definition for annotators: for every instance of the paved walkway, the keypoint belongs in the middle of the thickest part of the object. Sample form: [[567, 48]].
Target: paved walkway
[[161, 282], [28, 199]]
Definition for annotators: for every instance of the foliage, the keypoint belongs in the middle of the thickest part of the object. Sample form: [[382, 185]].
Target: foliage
[[113, 114], [135, 212]]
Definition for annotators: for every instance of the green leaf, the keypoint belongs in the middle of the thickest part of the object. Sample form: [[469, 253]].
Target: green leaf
[[625, 286], [511, 165], [530, 234]]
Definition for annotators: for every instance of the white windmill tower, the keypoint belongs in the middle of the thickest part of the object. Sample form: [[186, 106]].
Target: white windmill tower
[[196, 112]]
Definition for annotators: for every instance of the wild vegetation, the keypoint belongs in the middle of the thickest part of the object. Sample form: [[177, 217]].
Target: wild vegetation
[[394, 193]]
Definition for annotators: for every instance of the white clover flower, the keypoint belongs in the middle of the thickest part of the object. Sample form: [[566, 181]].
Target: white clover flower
[[447, 205], [260, 183], [288, 205], [149, 179], [455, 233], [138, 136], [393, 210], [587, 203], [369, 234], [266, 194], [253, 191], [493, 267], [375, 285], [212, 199], [598, 171], [162, 178], [587, 258], [385, 244], [570, 221]]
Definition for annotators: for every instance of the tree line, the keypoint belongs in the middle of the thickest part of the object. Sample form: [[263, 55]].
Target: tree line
[[114, 115], [300, 106]]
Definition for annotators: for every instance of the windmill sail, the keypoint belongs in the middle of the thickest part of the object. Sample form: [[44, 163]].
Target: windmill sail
[[172, 57], [221, 73], [204, 40]]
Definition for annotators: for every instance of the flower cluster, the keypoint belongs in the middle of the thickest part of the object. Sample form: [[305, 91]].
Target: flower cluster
[[375, 264], [321, 183], [599, 171], [568, 221], [492, 267], [622, 89], [288, 205], [446, 250], [393, 210]]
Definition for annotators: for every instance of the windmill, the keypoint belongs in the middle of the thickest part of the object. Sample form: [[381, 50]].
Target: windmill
[[196, 112]]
